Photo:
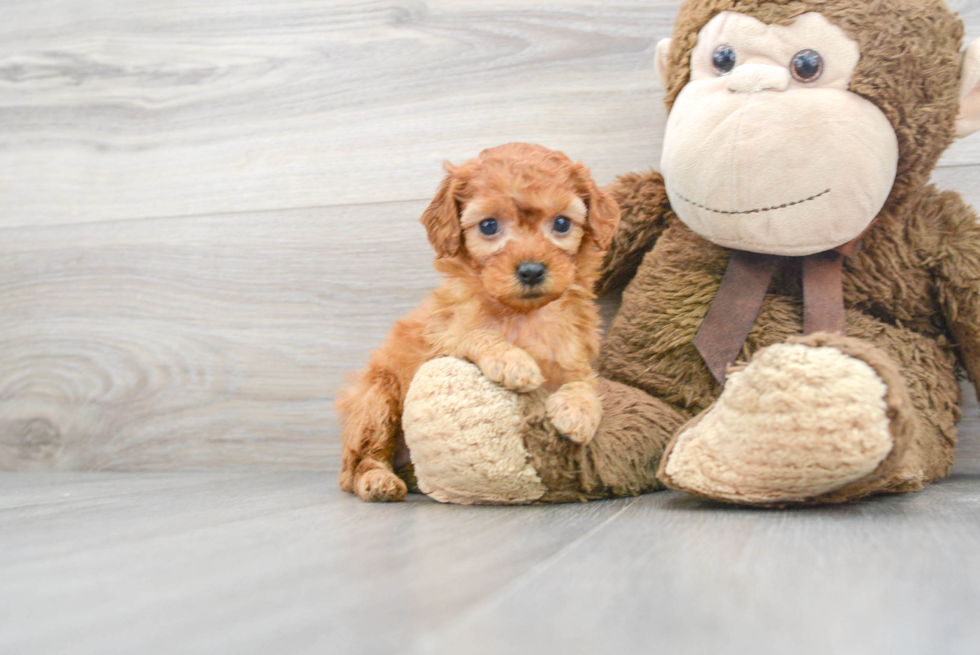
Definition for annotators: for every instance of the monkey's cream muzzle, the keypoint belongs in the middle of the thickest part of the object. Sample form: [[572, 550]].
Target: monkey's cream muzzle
[[756, 160]]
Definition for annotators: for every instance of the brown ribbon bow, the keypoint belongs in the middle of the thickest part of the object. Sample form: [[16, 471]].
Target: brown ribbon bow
[[743, 288]]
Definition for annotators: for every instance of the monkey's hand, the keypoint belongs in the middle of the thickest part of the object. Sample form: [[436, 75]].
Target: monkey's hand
[[959, 281]]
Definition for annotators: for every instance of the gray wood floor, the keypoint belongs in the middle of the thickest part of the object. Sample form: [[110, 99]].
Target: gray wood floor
[[226, 562], [209, 217]]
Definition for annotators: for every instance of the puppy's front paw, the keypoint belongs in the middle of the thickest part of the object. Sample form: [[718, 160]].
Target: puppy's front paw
[[380, 485], [513, 369], [575, 410]]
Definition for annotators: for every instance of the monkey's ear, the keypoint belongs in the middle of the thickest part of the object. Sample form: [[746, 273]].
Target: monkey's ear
[[968, 120], [603, 217], [663, 50], [441, 217]]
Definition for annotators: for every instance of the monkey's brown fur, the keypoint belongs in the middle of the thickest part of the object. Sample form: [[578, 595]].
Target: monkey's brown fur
[[912, 293], [482, 314]]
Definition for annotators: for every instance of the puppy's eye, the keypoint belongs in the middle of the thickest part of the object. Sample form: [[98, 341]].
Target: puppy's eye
[[489, 227], [562, 225]]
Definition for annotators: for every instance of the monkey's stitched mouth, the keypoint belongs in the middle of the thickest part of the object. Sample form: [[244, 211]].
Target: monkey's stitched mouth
[[753, 211]]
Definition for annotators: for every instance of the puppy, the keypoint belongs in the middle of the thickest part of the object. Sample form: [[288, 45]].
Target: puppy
[[519, 233]]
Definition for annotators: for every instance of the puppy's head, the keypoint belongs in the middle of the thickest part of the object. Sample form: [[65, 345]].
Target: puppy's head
[[527, 222]]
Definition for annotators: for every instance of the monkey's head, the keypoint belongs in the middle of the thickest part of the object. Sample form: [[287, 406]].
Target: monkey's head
[[793, 123]]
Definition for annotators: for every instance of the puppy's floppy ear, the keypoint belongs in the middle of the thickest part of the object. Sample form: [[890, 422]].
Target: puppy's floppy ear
[[603, 218], [441, 217]]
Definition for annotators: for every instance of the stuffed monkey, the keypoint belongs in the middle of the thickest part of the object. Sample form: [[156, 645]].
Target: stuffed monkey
[[798, 298]]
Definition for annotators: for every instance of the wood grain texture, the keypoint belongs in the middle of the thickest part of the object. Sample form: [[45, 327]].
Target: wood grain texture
[[203, 342], [112, 111], [867, 578], [197, 342], [285, 563], [194, 250], [152, 109], [210, 217], [280, 563]]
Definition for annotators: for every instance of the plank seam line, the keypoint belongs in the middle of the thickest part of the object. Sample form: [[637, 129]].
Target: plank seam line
[[498, 597], [226, 214], [951, 166]]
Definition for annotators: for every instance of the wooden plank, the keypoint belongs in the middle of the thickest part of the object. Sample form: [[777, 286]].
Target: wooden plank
[[204, 342], [279, 563], [114, 111], [36, 493], [678, 575], [962, 179], [196, 342], [275, 563]]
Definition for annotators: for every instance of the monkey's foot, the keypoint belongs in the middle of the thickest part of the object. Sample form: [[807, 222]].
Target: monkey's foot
[[822, 418], [466, 436]]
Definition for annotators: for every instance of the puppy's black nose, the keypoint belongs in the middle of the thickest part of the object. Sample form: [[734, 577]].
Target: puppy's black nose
[[531, 273]]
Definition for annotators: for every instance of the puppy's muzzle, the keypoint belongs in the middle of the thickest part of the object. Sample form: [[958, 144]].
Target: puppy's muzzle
[[531, 273]]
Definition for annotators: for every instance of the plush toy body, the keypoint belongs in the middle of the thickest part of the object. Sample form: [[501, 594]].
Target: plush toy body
[[474, 442], [796, 414], [795, 236]]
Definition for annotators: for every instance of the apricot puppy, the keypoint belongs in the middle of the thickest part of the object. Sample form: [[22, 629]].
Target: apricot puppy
[[519, 233]]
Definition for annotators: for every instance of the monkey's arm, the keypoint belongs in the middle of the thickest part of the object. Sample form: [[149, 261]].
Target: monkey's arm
[[958, 262], [645, 209]]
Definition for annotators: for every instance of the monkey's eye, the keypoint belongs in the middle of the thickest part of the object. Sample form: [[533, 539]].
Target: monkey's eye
[[723, 59], [562, 225], [807, 65], [489, 227]]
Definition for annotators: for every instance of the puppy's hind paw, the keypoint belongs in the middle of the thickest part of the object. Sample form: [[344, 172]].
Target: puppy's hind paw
[[575, 411], [380, 485], [514, 369]]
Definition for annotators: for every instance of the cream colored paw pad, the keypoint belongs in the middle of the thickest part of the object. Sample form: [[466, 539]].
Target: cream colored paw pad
[[797, 422], [465, 434]]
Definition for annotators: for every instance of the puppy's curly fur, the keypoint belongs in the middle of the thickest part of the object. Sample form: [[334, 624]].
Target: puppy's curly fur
[[519, 233]]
